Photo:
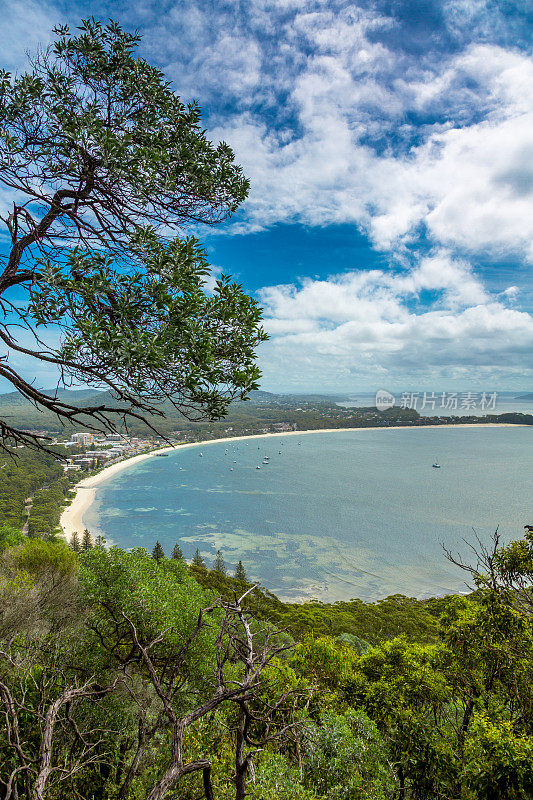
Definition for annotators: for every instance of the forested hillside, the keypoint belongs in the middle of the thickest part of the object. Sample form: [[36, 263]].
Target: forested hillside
[[124, 675], [37, 477], [263, 411]]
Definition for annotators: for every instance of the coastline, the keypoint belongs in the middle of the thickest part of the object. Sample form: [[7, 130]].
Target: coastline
[[85, 491]]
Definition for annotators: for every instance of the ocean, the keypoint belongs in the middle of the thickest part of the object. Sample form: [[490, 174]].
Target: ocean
[[332, 516]]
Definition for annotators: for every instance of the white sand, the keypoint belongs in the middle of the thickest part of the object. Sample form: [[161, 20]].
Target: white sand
[[72, 517]]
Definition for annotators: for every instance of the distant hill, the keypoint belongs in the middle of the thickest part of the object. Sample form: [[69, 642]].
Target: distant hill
[[261, 406], [69, 395], [528, 396]]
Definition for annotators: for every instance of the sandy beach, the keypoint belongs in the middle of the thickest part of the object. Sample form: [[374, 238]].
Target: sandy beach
[[85, 491]]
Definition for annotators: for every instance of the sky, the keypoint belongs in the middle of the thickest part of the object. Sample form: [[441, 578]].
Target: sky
[[388, 232]]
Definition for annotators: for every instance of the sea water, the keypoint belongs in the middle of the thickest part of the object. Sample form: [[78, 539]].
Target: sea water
[[332, 515]]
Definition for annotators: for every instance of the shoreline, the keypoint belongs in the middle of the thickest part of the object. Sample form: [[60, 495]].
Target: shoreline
[[71, 519]]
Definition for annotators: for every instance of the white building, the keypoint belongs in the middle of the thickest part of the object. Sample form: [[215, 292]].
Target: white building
[[82, 438]]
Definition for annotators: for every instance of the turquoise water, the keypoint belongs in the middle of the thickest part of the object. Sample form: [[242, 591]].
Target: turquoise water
[[334, 515]]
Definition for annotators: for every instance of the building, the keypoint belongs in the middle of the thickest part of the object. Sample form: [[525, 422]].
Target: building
[[82, 438]]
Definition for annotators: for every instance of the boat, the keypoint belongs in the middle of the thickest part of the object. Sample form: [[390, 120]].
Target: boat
[[436, 464], [266, 461], [201, 455], [258, 467]]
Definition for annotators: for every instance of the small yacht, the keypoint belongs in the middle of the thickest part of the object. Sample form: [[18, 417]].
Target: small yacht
[[201, 455], [258, 467], [436, 464], [266, 461]]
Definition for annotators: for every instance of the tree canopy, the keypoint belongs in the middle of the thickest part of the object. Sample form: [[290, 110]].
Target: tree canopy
[[124, 677], [107, 169]]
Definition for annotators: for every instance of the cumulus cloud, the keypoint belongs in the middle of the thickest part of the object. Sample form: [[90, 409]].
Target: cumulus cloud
[[342, 113], [370, 326], [467, 185]]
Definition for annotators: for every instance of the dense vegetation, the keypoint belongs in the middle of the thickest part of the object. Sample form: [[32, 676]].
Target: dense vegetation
[[26, 475], [115, 684], [368, 622]]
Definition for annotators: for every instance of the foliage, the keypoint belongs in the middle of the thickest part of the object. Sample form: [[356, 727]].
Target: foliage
[[86, 540], [344, 758], [499, 763], [30, 477], [9, 537], [369, 623], [177, 553], [115, 647], [104, 163], [197, 560], [219, 565], [158, 553], [278, 779]]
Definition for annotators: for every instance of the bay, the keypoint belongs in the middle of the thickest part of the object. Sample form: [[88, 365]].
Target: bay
[[333, 515]]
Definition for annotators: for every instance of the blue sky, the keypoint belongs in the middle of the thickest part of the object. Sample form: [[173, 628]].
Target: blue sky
[[389, 228]]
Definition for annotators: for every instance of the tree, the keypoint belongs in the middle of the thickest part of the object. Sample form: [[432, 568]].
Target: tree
[[103, 162], [189, 657], [10, 537], [240, 573], [86, 540], [158, 553], [345, 758], [219, 565], [75, 542], [177, 554], [197, 560]]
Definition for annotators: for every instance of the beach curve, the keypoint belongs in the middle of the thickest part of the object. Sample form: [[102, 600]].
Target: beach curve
[[71, 520]]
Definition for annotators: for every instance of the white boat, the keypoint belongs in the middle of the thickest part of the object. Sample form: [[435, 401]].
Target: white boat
[[436, 464], [258, 467]]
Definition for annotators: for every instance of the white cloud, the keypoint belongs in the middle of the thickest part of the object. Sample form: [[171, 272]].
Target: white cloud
[[356, 328], [470, 185], [333, 123], [26, 25]]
